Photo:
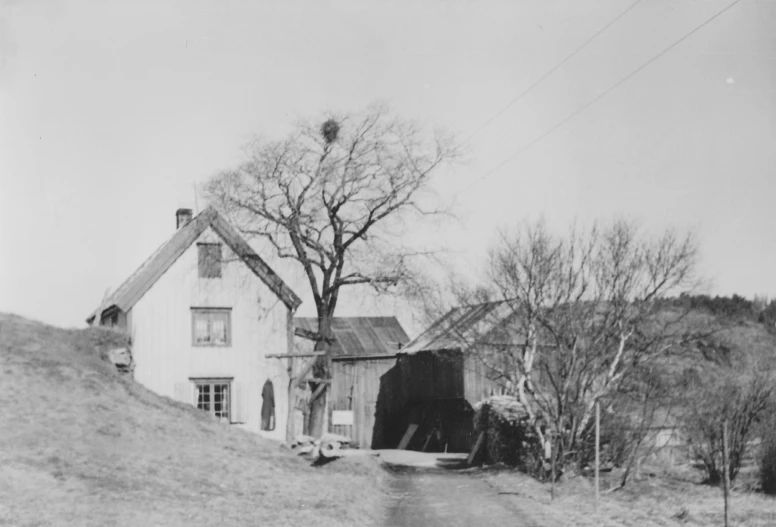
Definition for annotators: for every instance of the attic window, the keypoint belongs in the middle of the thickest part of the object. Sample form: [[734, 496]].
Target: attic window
[[209, 260], [211, 327]]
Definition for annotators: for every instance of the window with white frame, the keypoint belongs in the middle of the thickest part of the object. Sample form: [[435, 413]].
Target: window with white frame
[[214, 396], [211, 326]]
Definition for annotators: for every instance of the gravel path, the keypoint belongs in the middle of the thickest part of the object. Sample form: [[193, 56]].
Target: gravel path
[[448, 498]]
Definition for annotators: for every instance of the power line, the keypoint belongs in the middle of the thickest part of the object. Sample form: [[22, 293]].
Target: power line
[[551, 71], [604, 93]]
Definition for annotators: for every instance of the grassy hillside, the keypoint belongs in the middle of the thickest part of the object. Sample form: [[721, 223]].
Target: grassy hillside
[[82, 445], [740, 334]]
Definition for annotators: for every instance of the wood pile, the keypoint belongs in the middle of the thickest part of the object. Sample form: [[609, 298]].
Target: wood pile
[[508, 435], [330, 446]]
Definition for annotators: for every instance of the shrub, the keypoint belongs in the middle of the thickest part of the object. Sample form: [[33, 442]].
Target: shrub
[[742, 402], [768, 463]]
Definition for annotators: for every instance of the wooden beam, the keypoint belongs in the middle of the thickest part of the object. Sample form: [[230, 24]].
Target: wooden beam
[[294, 355], [341, 358], [477, 446], [428, 440], [407, 436], [318, 391], [310, 335]]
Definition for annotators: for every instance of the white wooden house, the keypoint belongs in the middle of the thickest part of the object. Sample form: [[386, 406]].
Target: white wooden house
[[203, 313]]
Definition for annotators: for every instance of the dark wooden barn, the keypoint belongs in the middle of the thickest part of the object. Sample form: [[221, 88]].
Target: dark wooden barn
[[364, 350], [426, 400]]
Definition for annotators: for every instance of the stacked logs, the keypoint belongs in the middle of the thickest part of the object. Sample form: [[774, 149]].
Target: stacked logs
[[509, 436]]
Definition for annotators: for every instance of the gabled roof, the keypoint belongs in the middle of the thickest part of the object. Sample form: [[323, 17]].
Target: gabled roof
[[461, 327], [361, 336], [155, 266]]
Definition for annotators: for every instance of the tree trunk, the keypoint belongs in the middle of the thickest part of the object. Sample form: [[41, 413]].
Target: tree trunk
[[631, 461], [321, 370], [318, 413]]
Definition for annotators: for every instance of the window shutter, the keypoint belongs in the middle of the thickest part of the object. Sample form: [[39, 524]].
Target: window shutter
[[184, 392], [209, 260], [240, 403]]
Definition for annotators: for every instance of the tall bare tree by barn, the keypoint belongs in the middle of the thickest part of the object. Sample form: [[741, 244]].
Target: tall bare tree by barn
[[584, 313], [334, 195]]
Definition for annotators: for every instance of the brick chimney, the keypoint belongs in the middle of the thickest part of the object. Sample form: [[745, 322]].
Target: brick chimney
[[182, 217]]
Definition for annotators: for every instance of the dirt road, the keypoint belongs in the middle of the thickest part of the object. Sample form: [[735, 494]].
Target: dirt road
[[435, 497]]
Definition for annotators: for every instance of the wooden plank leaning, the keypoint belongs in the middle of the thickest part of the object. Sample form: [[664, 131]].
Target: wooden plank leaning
[[477, 446], [407, 436]]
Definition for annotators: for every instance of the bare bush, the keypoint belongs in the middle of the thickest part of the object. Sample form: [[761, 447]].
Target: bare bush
[[767, 460], [583, 313], [717, 396]]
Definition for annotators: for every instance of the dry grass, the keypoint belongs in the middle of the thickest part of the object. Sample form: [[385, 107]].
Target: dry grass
[[82, 445], [675, 498]]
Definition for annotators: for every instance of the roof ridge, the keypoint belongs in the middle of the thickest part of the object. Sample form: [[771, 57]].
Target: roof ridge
[[153, 267]]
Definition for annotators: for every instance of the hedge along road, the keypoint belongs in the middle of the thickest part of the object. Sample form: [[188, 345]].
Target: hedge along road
[[432, 496]]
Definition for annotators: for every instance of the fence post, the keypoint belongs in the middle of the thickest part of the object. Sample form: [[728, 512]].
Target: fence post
[[725, 467], [597, 448]]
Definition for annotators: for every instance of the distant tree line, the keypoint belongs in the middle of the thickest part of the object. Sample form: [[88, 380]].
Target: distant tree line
[[735, 307]]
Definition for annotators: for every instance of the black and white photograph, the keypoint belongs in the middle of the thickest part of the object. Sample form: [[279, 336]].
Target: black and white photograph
[[388, 263]]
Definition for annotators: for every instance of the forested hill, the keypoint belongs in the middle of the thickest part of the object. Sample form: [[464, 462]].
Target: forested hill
[[730, 331]]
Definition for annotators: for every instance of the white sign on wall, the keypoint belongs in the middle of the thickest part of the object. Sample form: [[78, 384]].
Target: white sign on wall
[[342, 417]]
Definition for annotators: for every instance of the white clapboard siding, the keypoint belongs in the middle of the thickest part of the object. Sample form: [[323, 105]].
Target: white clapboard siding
[[167, 357], [184, 392], [240, 403]]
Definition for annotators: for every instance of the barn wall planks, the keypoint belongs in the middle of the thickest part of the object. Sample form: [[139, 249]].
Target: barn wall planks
[[477, 386], [161, 328], [355, 387]]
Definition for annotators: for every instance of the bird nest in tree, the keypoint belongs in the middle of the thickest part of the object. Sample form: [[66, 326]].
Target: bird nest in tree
[[510, 437]]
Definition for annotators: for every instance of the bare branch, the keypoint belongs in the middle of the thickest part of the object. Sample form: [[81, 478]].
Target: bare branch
[[330, 200]]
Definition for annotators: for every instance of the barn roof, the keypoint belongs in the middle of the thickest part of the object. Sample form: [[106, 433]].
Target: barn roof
[[361, 336], [134, 287], [460, 327]]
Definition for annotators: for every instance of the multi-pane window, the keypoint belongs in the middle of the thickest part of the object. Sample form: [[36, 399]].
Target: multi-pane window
[[214, 397], [209, 260], [211, 327]]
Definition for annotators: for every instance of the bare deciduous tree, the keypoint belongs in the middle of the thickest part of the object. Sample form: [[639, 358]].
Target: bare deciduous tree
[[715, 395], [334, 196], [584, 310]]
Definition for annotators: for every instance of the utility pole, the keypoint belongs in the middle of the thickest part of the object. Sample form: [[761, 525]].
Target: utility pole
[[725, 467], [597, 448]]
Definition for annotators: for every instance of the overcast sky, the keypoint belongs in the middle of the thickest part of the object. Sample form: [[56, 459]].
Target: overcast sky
[[111, 113]]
